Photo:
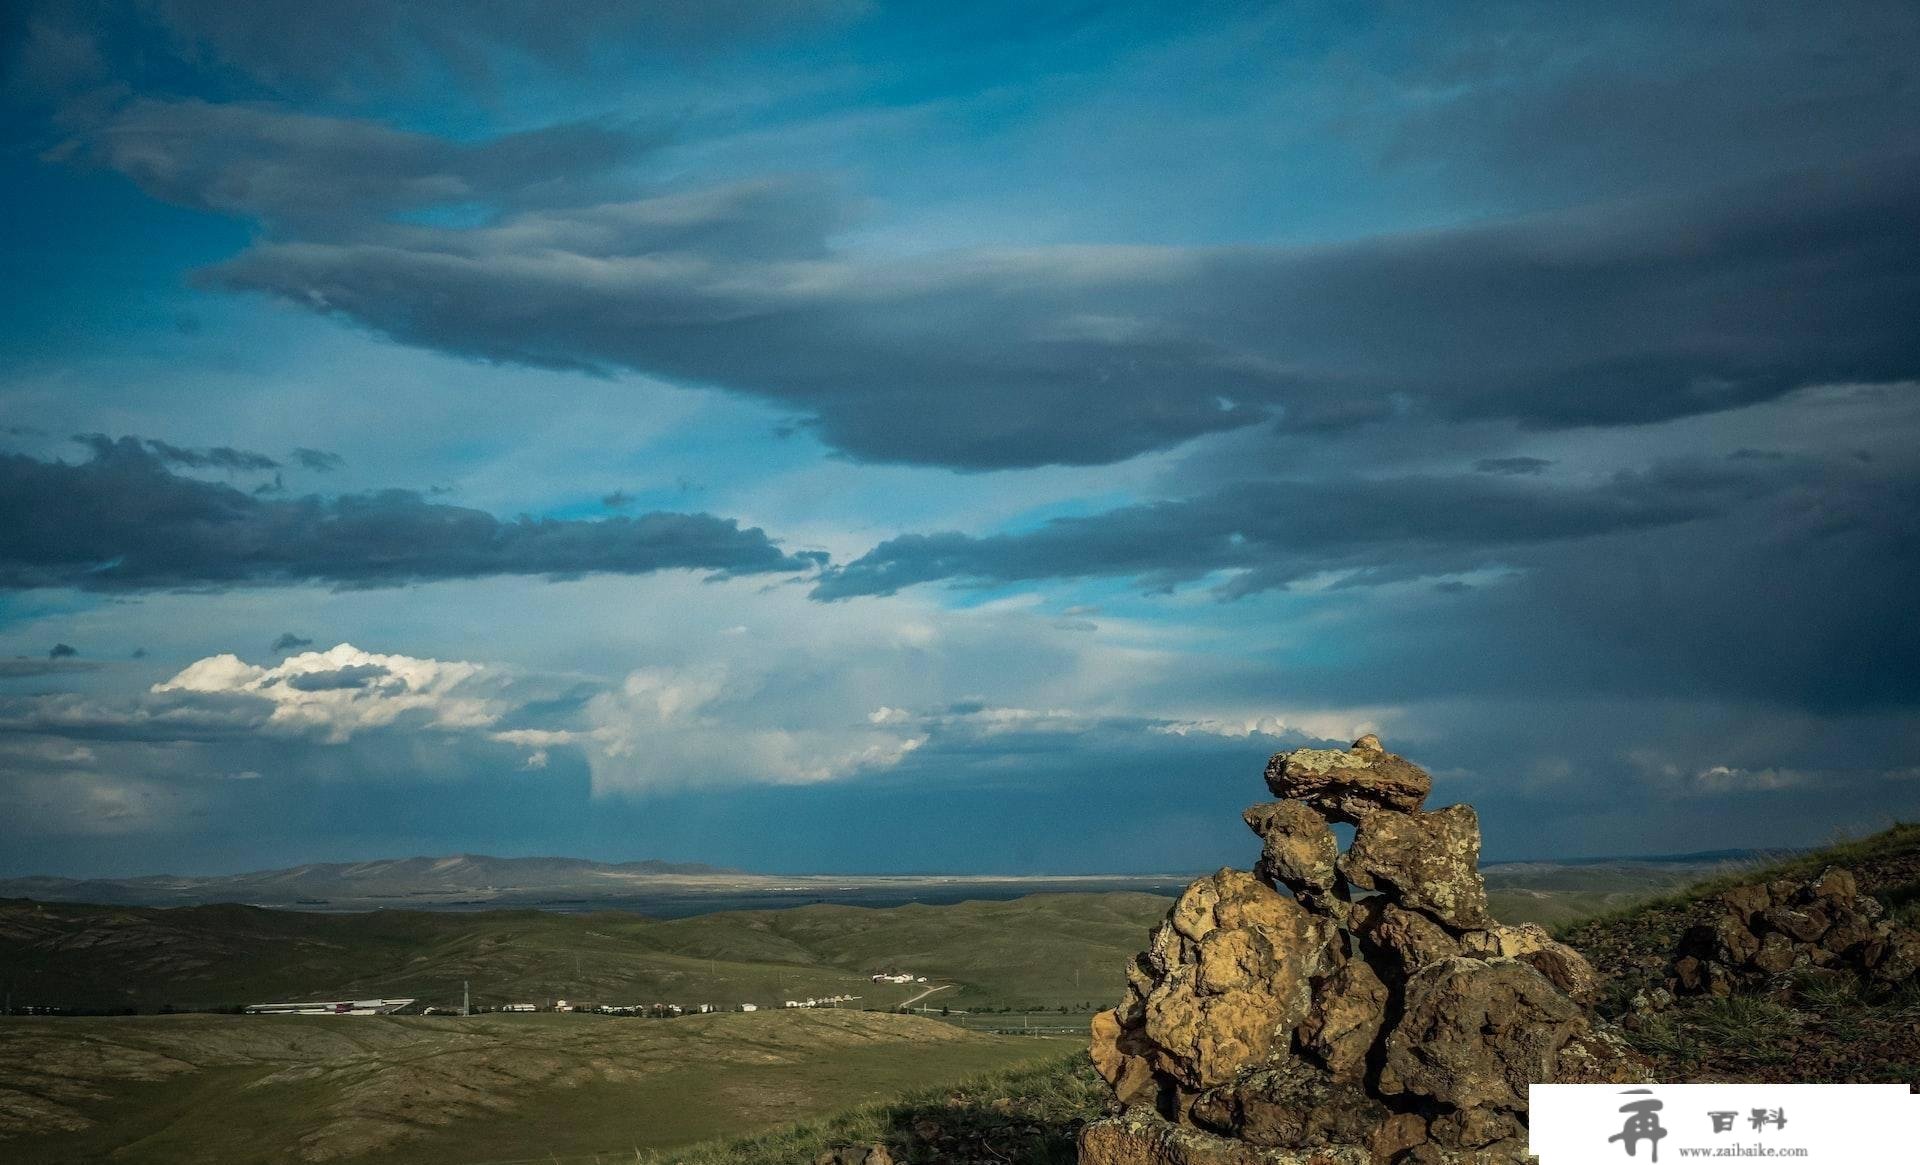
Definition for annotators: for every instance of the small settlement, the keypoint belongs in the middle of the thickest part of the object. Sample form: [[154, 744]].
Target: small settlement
[[657, 1010]]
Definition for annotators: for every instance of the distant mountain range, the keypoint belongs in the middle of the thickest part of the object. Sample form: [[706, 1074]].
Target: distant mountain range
[[671, 889], [422, 881]]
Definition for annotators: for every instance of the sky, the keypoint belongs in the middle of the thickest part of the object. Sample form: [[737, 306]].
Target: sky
[[815, 435]]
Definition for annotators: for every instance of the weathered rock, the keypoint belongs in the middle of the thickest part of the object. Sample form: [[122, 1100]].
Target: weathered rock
[[1834, 884], [1775, 954], [1397, 1134], [1192, 915], [1132, 1011], [1427, 861], [1745, 901], [1473, 1128], [1407, 939], [1565, 967], [1601, 1055], [1348, 785], [1348, 1010], [1899, 961], [1802, 924], [1297, 849], [1732, 941], [1139, 1139], [1119, 1054], [1476, 1032], [1166, 948], [1850, 929], [1249, 983], [1292, 1105], [1510, 1152]]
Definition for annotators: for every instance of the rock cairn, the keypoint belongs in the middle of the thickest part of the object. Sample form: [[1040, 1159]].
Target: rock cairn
[[1373, 1012], [1764, 931]]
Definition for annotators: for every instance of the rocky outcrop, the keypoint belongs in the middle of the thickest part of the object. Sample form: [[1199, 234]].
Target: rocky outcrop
[[1764, 931], [1277, 1019]]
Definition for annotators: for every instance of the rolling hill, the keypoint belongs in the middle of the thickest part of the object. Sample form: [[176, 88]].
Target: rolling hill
[[1040, 951], [454, 877], [1045, 950], [181, 1090]]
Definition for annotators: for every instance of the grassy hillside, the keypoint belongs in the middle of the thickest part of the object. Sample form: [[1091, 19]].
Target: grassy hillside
[[239, 1090], [1824, 1029], [1558, 894], [1047, 950]]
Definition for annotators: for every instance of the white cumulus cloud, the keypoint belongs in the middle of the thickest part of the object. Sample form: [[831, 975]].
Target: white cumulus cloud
[[335, 693]]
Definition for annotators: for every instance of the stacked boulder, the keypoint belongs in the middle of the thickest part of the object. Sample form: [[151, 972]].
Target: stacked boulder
[[1763, 931], [1333, 1008]]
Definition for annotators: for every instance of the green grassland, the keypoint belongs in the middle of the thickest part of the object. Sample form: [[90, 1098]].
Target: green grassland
[[1041, 952], [1044, 951], [446, 1091]]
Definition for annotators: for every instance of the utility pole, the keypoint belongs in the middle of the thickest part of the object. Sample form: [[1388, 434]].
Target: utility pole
[[466, 997]]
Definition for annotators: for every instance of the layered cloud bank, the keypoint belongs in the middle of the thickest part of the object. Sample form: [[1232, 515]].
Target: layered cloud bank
[[1632, 312], [122, 520]]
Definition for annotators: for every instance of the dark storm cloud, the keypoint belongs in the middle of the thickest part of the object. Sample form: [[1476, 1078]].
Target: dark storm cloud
[[349, 678], [325, 174], [288, 641], [318, 460], [122, 521], [1280, 532], [1558, 98], [22, 667], [1512, 465], [294, 43], [158, 716], [219, 457], [1611, 315]]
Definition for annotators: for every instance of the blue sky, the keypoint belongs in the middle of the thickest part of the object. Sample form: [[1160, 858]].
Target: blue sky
[[835, 436]]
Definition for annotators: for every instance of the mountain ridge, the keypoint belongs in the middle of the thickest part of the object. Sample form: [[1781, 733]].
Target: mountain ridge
[[430, 876]]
